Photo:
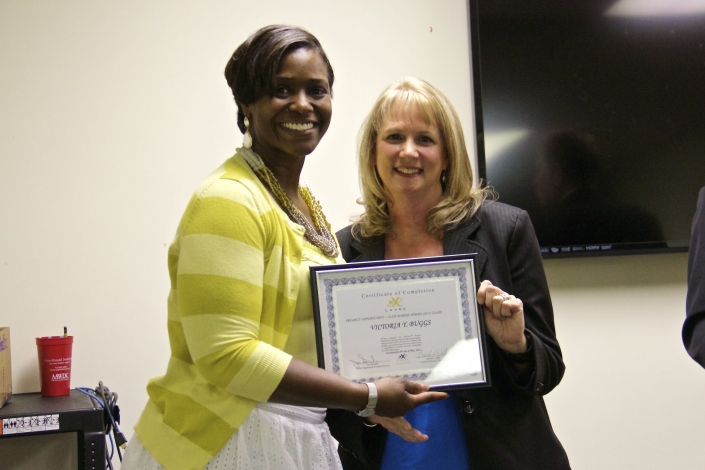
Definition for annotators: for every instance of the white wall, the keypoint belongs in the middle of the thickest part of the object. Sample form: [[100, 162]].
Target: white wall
[[112, 112], [631, 397]]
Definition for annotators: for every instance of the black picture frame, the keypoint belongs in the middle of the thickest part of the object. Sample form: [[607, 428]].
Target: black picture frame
[[329, 281]]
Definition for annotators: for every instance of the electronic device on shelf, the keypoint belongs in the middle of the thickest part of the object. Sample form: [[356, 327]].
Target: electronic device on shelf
[[67, 431], [63, 432]]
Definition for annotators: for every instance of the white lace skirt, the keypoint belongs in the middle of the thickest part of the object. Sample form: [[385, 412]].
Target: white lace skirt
[[273, 437]]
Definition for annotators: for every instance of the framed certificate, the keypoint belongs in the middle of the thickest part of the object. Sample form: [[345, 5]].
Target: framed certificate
[[412, 318]]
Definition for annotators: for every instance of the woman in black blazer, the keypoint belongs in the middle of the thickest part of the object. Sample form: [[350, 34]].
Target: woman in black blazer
[[419, 199], [694, 325]]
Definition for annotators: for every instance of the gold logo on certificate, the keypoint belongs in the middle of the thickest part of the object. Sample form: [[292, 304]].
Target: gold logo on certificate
[[394, 302]]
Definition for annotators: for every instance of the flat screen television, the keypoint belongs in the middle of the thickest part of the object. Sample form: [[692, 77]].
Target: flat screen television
[[591, 116]]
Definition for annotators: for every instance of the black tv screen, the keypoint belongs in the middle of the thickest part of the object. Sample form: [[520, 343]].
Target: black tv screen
[[591, 117]]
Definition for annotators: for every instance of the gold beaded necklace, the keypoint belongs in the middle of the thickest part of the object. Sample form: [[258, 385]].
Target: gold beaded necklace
[[316, 233]]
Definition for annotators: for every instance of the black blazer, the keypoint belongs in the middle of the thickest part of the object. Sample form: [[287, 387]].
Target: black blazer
[[694, 326], [506, 425]]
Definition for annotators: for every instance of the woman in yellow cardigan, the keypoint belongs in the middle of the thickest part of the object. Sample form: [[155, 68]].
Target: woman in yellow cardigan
[[240, 311]]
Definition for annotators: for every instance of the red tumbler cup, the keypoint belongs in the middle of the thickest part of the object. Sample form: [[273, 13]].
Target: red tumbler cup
[[54, 354]]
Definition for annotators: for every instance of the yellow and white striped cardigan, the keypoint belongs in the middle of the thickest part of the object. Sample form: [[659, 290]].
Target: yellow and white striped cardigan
[[234, 282]]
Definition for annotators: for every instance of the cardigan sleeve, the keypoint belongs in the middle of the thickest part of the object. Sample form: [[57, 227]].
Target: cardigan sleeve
[[529, 284], [221, 282]]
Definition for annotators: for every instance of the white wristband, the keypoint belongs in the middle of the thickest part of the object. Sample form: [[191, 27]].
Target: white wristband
[[371, 401]]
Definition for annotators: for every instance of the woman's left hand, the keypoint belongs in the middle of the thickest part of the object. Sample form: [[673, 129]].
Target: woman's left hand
[[400, 427], [504, 317]]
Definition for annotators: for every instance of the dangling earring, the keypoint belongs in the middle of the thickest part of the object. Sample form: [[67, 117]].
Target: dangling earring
[[247, 138], [444, 178]]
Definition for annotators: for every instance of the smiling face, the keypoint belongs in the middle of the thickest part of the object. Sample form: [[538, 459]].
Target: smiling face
[[291, 121], [410, 156]]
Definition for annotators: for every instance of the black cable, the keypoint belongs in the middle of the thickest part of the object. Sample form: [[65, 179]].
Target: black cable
[[108, 400], [113, 411], [91, 393]]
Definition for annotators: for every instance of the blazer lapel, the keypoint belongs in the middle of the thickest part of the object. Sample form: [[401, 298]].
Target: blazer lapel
[[457, 241], [372, 249], [462, 240]]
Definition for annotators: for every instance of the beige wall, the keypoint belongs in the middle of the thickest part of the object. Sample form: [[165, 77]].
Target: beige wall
[[631, 397], [112, 112]]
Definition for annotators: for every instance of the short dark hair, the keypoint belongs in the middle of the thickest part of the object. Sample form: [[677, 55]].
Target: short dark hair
[[251, 70]]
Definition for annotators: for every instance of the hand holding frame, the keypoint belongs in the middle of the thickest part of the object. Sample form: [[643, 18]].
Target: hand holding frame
[[504, 317]]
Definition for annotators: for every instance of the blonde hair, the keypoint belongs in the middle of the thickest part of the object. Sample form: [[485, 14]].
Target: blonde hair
[[460, 200]]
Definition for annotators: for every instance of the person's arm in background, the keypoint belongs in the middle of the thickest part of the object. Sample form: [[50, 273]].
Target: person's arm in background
[[694, 325]]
